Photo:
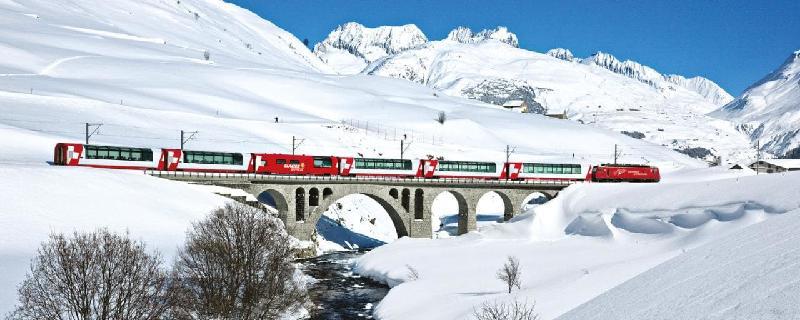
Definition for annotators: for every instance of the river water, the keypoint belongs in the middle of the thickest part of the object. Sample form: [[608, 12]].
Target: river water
[[337, 292]]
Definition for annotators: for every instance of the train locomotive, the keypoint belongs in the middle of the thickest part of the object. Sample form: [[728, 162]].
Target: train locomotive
[[116, 157]]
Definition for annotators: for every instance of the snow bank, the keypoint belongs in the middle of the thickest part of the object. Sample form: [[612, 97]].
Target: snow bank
[[584, 242], [748, 275], [38, 201]]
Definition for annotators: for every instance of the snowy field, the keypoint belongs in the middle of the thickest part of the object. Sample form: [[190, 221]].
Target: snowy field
[[586, 241], [140, 69]]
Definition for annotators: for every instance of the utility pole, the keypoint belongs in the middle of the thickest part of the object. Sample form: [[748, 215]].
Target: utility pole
[[509, 151], [296, 143], [403, 148], [615, 153], [185, 140], [758, 156], [89, 135]]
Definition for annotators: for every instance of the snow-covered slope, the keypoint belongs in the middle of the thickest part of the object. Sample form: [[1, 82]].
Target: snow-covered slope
[[592, 238], [39, 200], [751, 274], [351, 46], [769, 110], [600, 90]]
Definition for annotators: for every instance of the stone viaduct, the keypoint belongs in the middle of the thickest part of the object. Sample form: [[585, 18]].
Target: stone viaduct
[[301, 200]]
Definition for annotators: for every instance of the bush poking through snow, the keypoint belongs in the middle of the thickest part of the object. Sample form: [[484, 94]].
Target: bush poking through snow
[[237, 264], [206, 55], [97, 275], [441, 117], [412, 274], [497, 310], [510, 273]]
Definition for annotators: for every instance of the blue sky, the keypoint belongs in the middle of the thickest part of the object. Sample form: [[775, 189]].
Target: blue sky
[[734, 43]]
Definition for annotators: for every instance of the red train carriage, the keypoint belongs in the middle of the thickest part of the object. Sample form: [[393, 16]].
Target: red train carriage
[[274, 163], [374, 167], [625, 173]]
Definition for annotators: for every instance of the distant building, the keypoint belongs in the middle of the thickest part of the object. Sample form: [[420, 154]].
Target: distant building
[[775, 165], [562, 115], [519, 105]]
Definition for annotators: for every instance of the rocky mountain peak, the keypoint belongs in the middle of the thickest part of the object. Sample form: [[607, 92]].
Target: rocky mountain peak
[[500, 33], [561, 53], [371, 44]]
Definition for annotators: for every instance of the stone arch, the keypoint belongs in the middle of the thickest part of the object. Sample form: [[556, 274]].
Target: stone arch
[[506, 201], [394, 213], [466, 220], [326, 193], [300, 204], [313, 197], [275, 199], [515, 200]]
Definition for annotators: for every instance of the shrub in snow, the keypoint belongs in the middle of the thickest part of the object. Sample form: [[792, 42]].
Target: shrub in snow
[[441, 117], [237, 264], [98, 275], [510, 273], [206, 55], [515, 310]]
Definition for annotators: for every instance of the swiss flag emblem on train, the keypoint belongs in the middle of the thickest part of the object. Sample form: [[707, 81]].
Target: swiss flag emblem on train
[[169, 159], [513, 171], [345, 166], [427, 168]]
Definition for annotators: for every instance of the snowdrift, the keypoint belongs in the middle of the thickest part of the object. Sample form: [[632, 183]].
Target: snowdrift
[[588, 240]]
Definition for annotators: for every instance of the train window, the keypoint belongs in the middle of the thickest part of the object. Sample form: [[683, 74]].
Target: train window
[[118, 153], [280, 161], [323, 162], [202, 157], [294, 161], [557, 169]]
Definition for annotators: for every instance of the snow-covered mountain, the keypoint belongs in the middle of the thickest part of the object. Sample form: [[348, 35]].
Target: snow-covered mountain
[[351, 46], [465, 35], [632, 69], [600, 90], [488, 66], [769, 110]]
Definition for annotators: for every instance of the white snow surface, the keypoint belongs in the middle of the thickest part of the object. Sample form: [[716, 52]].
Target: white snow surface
[[768, 110], [751, 274], [589, 239]]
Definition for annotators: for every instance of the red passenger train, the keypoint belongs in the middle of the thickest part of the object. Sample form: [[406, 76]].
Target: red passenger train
[[115, 157]]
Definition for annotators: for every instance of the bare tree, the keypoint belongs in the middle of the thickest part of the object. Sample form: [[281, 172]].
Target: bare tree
[[441, 117], [510, 273], [515, 310], [237, 264], [98, 275]]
